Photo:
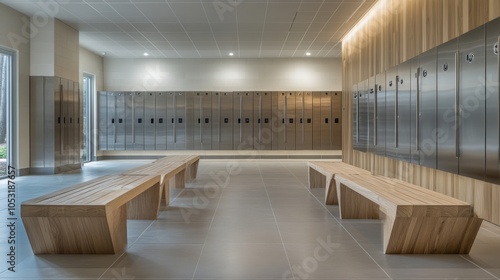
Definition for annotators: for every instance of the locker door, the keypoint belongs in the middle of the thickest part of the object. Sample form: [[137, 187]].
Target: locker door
[[79, 124], [215, 121], [372, 112], [355, 117], [472, 130], [243, 126], [139, 120], [72, 123], [391, 85], [278, 121], [226, 121], [290, 123], [403, 128], [492, 102], [427, 133], [120, 124], [189, 120], [415, 91], [102, 116], [149, 121], [299, 115], [170, 122], [263, 120], [112, 120], [198, 116], [206, 121], [180, 121], [336, 120], [364, 111], [447, 159], [129, 120], [380, 117], [161, 121], [56, 85], [307, 121], [326, 120], [317, 120]]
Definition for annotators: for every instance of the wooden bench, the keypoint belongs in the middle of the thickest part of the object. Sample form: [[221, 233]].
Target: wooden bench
[[322, 175], [181, 168], [417, 220], [91, 217]]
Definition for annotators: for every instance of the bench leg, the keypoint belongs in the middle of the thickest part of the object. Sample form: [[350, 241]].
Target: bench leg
[[192, 171], [331, 197], [180, 179], [165, 195], [145, 206], [430, 235], [316, 179], [78, 235], [355, 206]]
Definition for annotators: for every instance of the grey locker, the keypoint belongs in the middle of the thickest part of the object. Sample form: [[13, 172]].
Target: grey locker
[[170, 123], [179, 121], [427, 131], [102, 103], [447, 107], [472, 120], [243, 121], [134, 120], [149, 122], [263, 120], [404, 116], [363, 114], [222, 125], [129, 120], [66, 111], [290, 120], [415, 91], [161, 121], [304, 116], [202, 121], [355, 117], [325, 133], [336, 121], [380, 114], [70, 144], [492, 103], [372, 112], [119, 104], [79, 125], [279, 101], [391, 95], [189, 120]]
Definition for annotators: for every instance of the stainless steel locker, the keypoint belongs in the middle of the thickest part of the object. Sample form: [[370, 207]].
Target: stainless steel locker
[[180, 121], [67, 111], [492, 102], [391, 95], [404, 116], [202, 121], [304, 117], [263, 120], [134, 120], [380, 114], [363, 114], [70, 127], [171, 120], [471, 126], [79, 125], [53, 85], [161, 121], [355, 117], [447, 107], [120, 121], [372, 112], [279, 101], [243, 121], [415, 91], [189, 120], [290, 121], [149, 122], [336, 120], [129, 120], [427, 132], [222, 125], [316, 120], [326, 120], [111, 121]]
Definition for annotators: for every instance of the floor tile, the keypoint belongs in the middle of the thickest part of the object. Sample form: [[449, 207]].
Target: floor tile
[[175, 233]]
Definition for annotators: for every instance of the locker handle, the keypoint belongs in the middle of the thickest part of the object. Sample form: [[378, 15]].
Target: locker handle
[[226, 120], [59, 120], [336, 120], [160, 120], [301, 120], [112, 120], [152, 120], [70, 120], [309, 120], [457, 104], [120, 121], [180, 120], [326, 120], [78, 121], [290, 120], [207, 120], [396, 114], [283, 120], [139, 120], [64, 119], [375, 114], [417, 113], [266, 120], [199, 120], [172, 120], [239, 120], [247, 120], [258, 121]]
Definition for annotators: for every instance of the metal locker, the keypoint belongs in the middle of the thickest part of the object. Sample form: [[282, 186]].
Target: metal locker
[[471, 126], [415, 84], [179, 121], [70, 123], [112, 120], [492, 102], [189, 123], [372, 112], [404, 116], [134, 120], [363, 113], [355, 117], [243, 121], [447, 107], [290, 121], [427, 104], [391, 95], [79, 126], [278, 122], [304, 117], [149, 122], [336, 120], [170, 122], [202, 121], [129, 120], [380, 116], [54, 84], [161, 121], [263, 120], [120, 121], [316, 120], [226, 120]]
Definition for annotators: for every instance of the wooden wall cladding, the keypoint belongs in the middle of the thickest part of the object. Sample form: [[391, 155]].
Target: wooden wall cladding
[[401, 30]]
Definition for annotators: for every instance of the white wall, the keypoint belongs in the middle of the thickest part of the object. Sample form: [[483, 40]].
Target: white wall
[[12, 36], [66, 51], [148, 74], [42, 48]]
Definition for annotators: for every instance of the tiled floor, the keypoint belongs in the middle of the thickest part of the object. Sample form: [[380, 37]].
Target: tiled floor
[[241, 220]]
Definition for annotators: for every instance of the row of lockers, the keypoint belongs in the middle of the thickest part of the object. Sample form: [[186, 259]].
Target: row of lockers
[[440, 109], [56, 124], [219, 120]]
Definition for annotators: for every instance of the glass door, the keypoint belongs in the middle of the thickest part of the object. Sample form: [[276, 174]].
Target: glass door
[[6, 79], [88, 93]]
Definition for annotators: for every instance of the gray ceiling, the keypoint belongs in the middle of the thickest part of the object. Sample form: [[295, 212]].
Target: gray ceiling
[[207, 28]]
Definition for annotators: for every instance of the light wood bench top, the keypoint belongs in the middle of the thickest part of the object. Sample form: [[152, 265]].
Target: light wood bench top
[[332, 168]]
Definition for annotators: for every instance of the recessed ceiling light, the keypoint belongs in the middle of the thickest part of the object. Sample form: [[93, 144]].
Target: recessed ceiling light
[[231, 54], [146, 54], [103, 53], [308, 53]]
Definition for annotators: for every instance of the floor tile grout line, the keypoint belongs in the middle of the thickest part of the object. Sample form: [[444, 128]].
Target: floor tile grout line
[[483, 269], [277, 226], [355, 240]]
